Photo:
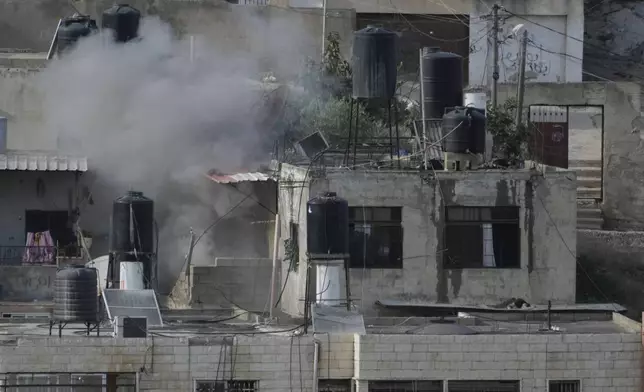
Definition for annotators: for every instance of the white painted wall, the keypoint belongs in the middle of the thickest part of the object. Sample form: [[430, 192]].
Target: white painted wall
[[555, 48]]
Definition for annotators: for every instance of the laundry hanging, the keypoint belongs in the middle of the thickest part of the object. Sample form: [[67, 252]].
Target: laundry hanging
[[39, 249]]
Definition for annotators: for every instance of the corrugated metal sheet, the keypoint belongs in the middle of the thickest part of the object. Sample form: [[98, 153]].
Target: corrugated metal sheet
[[240, 177], [40, 161]]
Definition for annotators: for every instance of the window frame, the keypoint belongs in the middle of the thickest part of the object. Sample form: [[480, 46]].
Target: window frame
[[577, 381], [367, 217], [411, 385], [226, 383], [503, 219]]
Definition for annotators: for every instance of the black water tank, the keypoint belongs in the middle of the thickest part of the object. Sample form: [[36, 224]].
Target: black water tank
[[76, 295], [374, 63], [133, 223], [327, 225], [457, 131], [442, 81], [72, 29], [123, 20], [477, 121]]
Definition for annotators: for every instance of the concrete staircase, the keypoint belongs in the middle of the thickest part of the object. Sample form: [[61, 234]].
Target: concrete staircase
[[589, 192], [589, 215], [589, 179]]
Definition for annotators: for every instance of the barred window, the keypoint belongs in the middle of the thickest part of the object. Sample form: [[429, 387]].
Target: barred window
[[226, 386], [564, 386]]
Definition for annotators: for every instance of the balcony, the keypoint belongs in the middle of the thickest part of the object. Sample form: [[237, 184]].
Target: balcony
[[36, 255]]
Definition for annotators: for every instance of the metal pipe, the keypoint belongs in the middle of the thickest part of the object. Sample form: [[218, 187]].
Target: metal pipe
[[549, 316], [192, 48], [316, 361], [276, 236], [323, 28], [54, 41], [422, 108], [495, 52]]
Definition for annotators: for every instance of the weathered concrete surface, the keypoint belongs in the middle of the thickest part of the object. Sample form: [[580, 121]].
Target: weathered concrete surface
[[31, 24], [623, 146], [547, 254], [244, 283], [611, 268], [27, 283]]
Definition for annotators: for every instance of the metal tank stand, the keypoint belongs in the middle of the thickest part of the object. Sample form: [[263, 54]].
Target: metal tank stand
[[354, 129], [61, 325], [313, 260]]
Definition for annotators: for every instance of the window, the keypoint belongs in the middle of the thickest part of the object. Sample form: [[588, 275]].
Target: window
[[334, 386], [483, 386], [564, 386], [405, 386], [226, 386], [375, 237], [67, 382], [492, 236]]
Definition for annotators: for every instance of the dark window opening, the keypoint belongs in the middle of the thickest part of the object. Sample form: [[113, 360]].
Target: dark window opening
[[483, 386], [564, 386], [492, 236], [226, 386], [334, 386], [405, 386], [376, 237], [56, 222]]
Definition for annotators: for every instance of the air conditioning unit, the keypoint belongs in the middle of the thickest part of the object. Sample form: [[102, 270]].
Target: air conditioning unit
[[131, 327]]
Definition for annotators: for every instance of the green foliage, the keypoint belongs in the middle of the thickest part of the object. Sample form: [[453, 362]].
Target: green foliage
[[292, 254], [327, 104], [510, 140]]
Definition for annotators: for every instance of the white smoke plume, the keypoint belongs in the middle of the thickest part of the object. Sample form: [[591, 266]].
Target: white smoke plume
[[149, 120]]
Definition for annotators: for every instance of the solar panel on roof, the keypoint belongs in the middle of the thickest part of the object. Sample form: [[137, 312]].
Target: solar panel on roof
[[133, 303]]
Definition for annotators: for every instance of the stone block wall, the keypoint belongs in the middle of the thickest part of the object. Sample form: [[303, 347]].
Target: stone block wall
[[603, 362]]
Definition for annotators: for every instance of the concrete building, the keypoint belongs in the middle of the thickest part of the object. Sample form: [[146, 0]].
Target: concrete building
[[411, 354], [420, 256]]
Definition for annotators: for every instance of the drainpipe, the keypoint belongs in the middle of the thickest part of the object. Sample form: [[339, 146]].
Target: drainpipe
[[316, 361]]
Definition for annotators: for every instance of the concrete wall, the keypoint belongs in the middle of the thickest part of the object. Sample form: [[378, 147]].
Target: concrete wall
[[31, 25], [623, 158], [547, 255], [606, 362], [27, 283], [556, 43], [603, 362], [245, 282]]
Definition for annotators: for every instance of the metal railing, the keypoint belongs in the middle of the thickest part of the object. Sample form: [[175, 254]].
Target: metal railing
[[28, 255]]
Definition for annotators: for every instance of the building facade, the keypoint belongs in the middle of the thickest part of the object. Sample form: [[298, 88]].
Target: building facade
[[434, 235], [589, 356]]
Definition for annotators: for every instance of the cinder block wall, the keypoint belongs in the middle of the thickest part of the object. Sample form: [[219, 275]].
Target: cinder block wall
[[246, 282], [173, 364], [603, 362]]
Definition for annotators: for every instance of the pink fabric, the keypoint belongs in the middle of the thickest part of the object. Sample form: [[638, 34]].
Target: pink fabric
[[39, 249]]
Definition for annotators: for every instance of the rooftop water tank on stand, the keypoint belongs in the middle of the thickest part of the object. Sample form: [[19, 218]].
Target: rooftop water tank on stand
[[374, 63], [73, 29], [457, 131], [123, 20], [76, 295], [327, 225], [442, 81], [477, 123], [328, 245], [133, 223]]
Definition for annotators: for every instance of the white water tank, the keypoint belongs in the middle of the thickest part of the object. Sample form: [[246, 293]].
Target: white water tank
[[329, 287], [476, 100], [131, 276], [102, 266]]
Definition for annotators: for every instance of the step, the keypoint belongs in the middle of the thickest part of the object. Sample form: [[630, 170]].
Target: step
[[590, 223], [585, 163], [587, 172], [589, 182], [589, 213], [589, 193]]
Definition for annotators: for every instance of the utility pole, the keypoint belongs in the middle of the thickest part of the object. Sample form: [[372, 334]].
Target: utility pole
[[521, 80], [323, 28], [422, 108], [495, 48]]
